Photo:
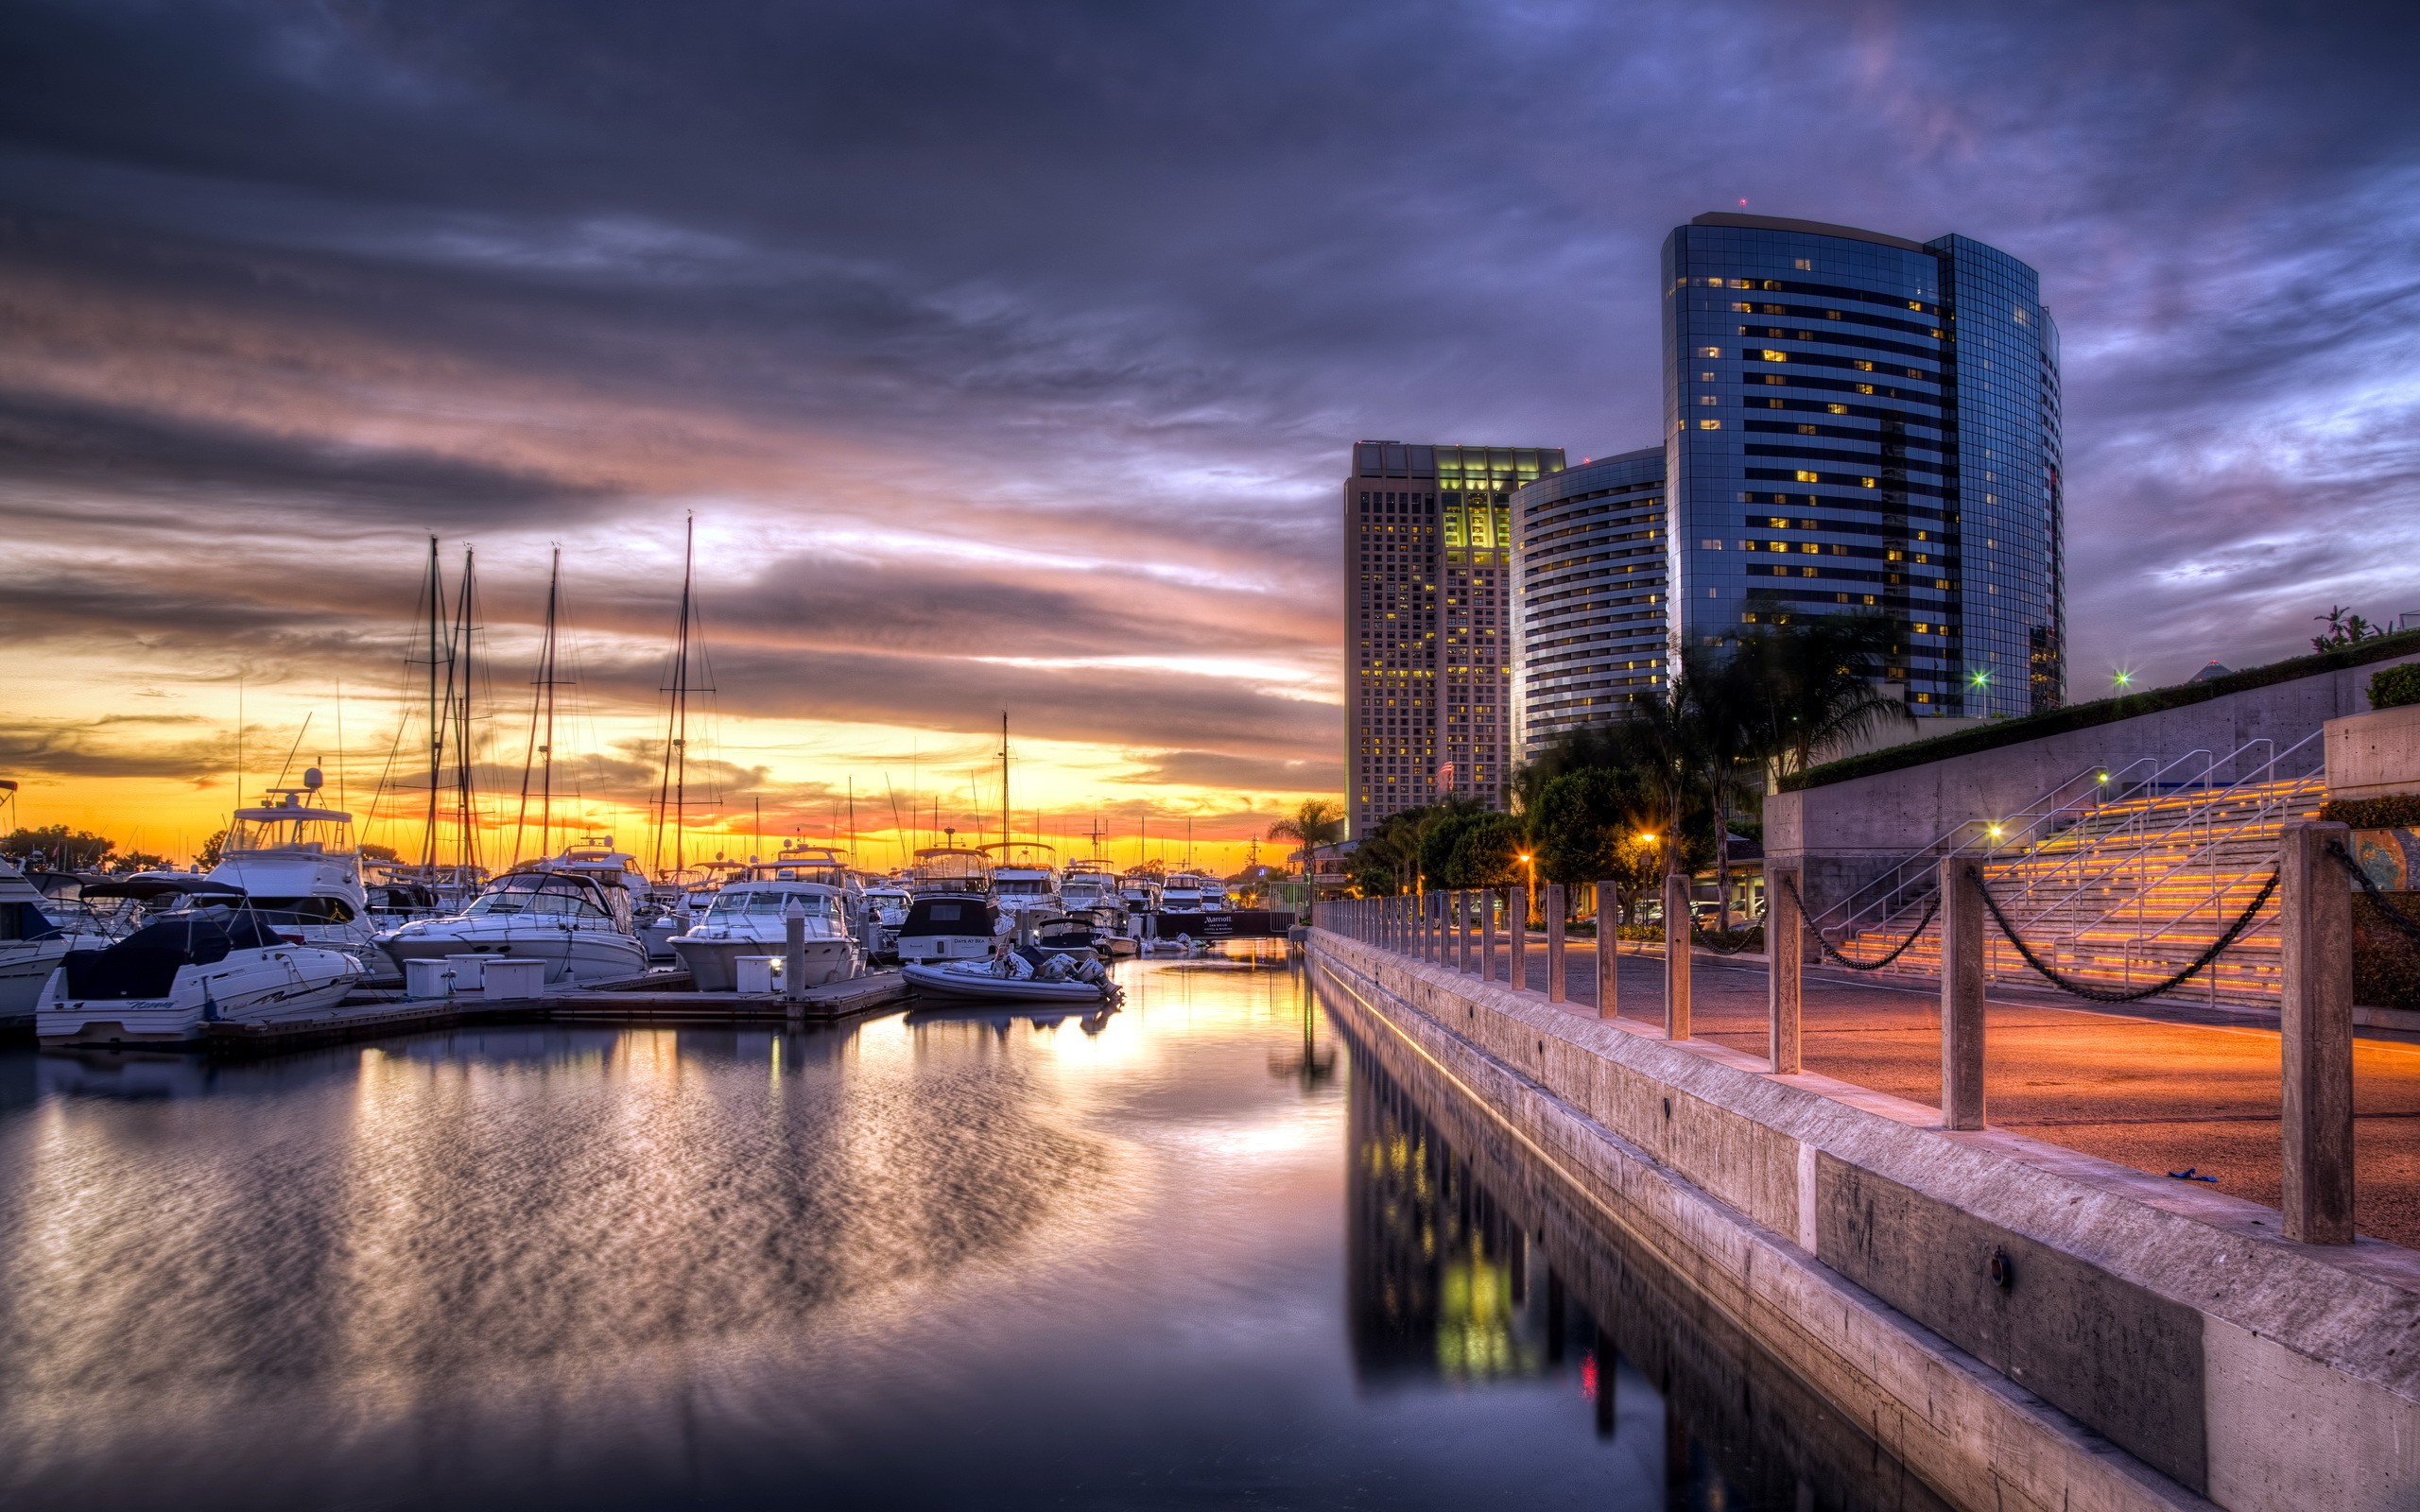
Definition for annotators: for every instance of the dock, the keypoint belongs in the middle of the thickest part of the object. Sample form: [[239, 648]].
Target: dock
[[659, 997]]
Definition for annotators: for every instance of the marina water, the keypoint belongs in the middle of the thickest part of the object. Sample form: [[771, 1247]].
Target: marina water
[[1203, 1251]]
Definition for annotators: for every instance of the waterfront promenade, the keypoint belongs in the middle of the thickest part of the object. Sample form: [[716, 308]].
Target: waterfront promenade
[[2160, 1087]]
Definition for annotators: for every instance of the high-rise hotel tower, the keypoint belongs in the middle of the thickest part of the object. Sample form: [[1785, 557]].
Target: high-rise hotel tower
[[1427, 571], [1589, 596], [1855, 422]]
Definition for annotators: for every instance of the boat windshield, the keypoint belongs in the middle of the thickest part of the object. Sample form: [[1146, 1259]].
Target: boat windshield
[[1026, 887], [534, 895], [314, 835], [731, 905]]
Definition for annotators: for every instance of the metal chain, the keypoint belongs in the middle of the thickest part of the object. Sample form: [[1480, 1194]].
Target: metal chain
[[1825, 946], [2370, 889], [2096, 994]]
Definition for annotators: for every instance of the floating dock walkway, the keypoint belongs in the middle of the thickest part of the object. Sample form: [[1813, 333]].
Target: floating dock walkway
[[657, 997]]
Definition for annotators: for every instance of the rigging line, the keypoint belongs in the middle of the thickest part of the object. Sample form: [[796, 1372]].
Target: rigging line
[[289, 754]]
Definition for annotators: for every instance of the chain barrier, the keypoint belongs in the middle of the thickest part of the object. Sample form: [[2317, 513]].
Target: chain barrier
[[1825, 946], [2370, 889], [2099, 995]]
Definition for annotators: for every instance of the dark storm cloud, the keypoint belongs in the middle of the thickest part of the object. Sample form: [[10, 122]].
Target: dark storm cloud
[[1122, 281], [47, 440]]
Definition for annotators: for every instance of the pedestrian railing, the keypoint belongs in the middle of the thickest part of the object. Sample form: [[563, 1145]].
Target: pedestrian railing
[[2305, 901]]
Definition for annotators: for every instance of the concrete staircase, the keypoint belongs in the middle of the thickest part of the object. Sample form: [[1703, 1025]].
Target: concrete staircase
[[2125, 892]]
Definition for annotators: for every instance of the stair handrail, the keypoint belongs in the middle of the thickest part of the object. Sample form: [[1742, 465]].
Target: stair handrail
[[2048, 804], [2195, 814], [2143, 817], [2197, 859]]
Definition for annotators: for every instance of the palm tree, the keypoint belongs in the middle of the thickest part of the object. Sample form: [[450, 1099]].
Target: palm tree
[[1821, 678], [1315, 822], [1731, 734]]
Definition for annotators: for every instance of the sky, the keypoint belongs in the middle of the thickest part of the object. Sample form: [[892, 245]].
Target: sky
[[1007, 357]]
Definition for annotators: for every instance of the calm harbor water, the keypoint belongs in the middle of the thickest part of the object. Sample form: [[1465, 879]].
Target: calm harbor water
[[1222, 1248]]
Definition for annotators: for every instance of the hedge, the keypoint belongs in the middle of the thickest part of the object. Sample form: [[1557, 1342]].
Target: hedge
[[2400, 812], [2103, 711], [2386, 964], [2395, 686]]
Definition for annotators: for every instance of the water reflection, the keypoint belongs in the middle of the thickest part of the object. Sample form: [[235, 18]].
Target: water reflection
[[1198, 1253], [1471, 1262]]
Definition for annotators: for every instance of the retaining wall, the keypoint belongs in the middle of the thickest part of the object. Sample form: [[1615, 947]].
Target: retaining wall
[[2154, 1344], [1846, 834]]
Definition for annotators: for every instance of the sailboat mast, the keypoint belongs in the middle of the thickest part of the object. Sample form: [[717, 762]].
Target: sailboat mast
[[1007, 814], [436, 724], [465, 741], [546, 778], [672, 797]]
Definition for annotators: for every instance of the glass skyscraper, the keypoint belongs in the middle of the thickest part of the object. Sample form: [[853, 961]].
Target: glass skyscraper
[[1589, 596], [1427, 569], [1855, 422]]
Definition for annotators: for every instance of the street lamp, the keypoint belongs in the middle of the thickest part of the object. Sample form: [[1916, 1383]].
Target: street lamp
[[1532, 910]]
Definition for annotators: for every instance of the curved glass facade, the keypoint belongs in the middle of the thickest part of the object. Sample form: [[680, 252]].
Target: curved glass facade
[[1588, 594], [1859, 423]]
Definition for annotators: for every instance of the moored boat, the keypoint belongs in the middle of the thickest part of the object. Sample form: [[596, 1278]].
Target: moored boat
[[216, 961], [578, 923], [751, 917], [1025, 975]]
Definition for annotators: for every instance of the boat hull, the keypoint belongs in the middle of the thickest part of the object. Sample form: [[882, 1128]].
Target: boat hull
[[922, 950], [26, 965], [248, 986], [714, 964], [941, 981], [572, 956]]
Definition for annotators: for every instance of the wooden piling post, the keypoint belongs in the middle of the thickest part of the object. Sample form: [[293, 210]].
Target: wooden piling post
[[1783, 976], [1609, 951], [1516, 922], [1555, 985], [1962, 993], [1676, 954], [2315, 1035], [1462, 932], [1487, 935]]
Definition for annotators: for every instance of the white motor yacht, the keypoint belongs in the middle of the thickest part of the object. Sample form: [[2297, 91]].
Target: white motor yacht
[[887, 908], [216, 960], [1183, 893], [32, 943], [751, 917], [298, 864], [950, 916], [1091, 887], [1025, 883], [801, 862], [578, 923]]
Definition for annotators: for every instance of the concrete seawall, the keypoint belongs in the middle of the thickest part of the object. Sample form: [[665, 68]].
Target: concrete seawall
[[2021, 1325]]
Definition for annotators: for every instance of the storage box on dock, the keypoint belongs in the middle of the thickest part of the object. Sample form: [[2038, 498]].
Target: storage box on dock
[[756, 974]]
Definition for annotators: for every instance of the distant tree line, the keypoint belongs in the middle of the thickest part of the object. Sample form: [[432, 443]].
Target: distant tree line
[[1665, 787]]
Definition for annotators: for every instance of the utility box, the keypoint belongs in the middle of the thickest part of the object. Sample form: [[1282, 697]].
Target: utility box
[[509, 979], [424, 979], [756, 974]]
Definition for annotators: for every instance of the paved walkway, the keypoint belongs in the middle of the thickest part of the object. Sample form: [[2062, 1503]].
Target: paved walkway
[[2157, 1087]]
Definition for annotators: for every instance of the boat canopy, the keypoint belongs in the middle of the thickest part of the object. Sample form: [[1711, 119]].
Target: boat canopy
[[568, 894], [773, 899], [144, 965], [949, 915], [146, 888], [290, 831]]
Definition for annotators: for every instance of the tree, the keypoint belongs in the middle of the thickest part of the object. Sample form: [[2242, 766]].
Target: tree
[[1818, 681], [64, 849], [1466, 845], [127, 861], [1315, 822], [378, 852], [2344, 627], [212, 850]]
